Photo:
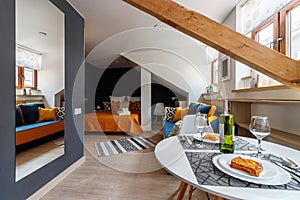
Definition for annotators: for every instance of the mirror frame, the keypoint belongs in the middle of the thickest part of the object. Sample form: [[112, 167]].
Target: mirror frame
[[74, 93], [60, 75]]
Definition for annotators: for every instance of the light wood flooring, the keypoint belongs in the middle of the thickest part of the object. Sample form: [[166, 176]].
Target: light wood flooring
[[33, 158], [133, 175]]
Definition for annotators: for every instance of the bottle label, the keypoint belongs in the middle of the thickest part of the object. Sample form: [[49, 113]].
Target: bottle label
[[221, 132]]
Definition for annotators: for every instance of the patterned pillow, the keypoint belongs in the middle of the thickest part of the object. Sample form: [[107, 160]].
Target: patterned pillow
[[132, 106], [60, 113], [106, 105], [138, 106], [135, 106], [169, 113]]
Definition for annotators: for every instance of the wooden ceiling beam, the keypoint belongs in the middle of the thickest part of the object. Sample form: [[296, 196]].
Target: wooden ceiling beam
[[225, 40]]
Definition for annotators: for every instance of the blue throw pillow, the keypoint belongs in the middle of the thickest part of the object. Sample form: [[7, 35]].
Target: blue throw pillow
[[168, 127], [204, 109], [215, 125], [18, 117], [30, 112], [193, 108]]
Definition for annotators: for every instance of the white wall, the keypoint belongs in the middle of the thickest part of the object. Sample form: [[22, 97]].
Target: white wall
[[254, 12], [145, 99], [51, 78], [49, 19], [171, 67], [161, 47], [282, 117]]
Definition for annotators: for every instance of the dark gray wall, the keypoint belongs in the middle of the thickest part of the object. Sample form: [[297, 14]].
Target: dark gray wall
[[74, 88], [92, 76]]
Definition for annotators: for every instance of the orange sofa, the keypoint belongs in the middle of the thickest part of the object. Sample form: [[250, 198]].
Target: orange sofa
[[27, 127]]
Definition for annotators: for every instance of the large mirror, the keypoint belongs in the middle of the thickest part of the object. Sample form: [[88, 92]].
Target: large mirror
[[40, 83]]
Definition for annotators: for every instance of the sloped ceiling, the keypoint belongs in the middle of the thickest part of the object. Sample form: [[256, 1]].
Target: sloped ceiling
[[114, 28], [104, 18]]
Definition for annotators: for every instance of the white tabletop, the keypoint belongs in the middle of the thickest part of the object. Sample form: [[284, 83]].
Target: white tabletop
[[171, 156]]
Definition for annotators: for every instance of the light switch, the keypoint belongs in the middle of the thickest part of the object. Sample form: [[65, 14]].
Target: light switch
[[77, 111]]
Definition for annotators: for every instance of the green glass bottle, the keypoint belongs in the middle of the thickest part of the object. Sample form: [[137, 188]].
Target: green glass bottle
[[226, 130]]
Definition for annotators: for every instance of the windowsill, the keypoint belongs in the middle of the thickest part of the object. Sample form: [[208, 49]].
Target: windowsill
[[276, 87]]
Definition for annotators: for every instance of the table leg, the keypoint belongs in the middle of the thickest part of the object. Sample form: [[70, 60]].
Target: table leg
[[191, 192], [218, 198], [182, 189]]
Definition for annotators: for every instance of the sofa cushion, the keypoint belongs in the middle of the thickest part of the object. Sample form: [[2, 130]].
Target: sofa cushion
[[168, 127], [193, 108], [180, 113], [35, 125], [19, 120], [169, 113], [214, 123], [47, 114], [203, 108], [60, 113], [30, 112]]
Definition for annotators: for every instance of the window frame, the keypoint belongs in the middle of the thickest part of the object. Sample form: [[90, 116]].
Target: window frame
[[262, 26], [20, 76], [285, 21], [280, 21]]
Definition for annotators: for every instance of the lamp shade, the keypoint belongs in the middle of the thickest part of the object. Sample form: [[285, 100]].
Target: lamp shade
[[159, 109]]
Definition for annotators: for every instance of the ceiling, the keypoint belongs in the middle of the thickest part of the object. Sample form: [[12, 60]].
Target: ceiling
[[104, 18], [30, 21]]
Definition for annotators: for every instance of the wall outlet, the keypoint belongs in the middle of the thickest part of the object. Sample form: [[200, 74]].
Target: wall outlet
[[77, 111]]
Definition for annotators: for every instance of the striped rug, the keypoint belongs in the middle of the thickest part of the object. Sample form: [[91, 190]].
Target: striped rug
[[122, 146]]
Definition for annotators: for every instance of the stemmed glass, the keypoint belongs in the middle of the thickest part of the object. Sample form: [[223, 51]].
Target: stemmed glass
[[260, 128], [201, 124]]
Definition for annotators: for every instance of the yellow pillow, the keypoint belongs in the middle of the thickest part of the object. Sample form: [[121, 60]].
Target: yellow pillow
[[180, 113], [47, 114]]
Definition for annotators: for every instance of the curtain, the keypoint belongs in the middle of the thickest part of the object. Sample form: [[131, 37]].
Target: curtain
[[25, 58]]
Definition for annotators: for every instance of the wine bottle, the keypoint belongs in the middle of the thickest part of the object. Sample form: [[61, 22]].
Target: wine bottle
[[226, 130]]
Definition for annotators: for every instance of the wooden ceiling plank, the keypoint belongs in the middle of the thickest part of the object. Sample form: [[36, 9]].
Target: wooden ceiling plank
[[225, 40]]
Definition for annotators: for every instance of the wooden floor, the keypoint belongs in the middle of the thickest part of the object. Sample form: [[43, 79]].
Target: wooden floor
[[134, 175], [35, 157]]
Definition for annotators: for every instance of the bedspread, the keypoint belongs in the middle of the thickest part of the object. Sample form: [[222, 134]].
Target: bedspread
[[107, 122]]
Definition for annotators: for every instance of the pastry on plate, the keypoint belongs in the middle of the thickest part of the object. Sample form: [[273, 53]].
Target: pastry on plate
[[248, 165], [211, 136]]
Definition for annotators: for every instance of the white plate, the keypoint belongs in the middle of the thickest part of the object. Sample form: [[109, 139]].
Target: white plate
[[198, 137], [271, 175]]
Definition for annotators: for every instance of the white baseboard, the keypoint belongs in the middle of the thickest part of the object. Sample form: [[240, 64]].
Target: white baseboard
[[46, 188]]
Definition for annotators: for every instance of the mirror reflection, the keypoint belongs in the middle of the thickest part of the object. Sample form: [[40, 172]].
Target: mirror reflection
[[39, 85]]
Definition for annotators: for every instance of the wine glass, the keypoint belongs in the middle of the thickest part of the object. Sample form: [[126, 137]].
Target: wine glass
[[260, 128], [201, 124]]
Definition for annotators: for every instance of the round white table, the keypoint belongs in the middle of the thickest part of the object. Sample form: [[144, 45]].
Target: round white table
[[171, 156]]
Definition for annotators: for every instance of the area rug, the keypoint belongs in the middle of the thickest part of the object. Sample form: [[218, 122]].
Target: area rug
[[122, 146]]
